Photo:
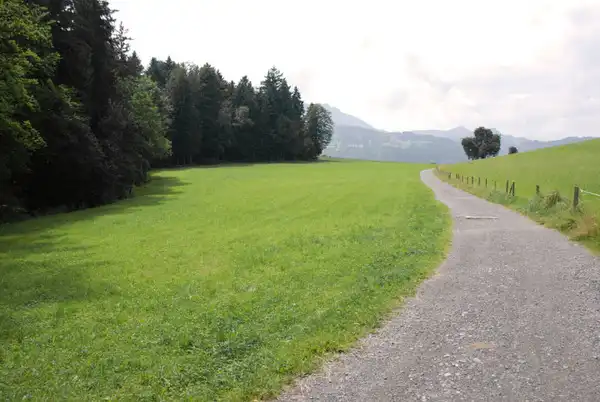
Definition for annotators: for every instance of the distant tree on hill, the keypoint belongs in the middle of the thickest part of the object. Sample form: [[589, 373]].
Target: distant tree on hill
[[512, 150], [483, 144]]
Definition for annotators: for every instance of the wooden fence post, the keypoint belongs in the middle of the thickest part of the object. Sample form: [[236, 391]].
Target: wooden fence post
[[575, 197], [486, 182], [506, 187], [495, 185], [537, 189], [512, 189], [479, 181]]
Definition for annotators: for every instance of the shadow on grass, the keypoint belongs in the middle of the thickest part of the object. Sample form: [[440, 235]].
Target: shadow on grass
[[42, 265], [158, 191], [248, 164], [46, 272], [31, 282]]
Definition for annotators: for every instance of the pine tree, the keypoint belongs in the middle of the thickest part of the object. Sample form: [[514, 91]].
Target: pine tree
[[208, 99], [247, 140], [157, 73], [300, 140], [268, 100], [297, 112], [184, 130], [134, 66]]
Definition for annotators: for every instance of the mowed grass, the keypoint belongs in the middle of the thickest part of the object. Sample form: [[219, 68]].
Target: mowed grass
[[556, 169], [212, 283]]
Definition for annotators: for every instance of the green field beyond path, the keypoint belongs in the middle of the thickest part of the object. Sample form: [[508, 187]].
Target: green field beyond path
[[558, 168], [212, 283]]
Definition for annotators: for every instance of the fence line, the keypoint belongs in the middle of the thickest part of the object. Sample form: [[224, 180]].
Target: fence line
[[589, 192], [510, 186]]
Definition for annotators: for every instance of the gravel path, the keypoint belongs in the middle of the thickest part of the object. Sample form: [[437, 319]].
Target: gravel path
[[512, 315]]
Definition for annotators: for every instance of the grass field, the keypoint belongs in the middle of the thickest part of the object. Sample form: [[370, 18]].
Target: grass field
[[212, 283], [553, 169]]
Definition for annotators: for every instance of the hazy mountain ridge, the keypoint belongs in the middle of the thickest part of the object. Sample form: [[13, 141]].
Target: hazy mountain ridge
[[354, 138], [456, 133], [345, 119], [362, 143]]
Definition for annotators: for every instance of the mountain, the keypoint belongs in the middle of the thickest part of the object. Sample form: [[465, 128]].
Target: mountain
[[354, 138], [363, 143], [343, 119], [456, 133]]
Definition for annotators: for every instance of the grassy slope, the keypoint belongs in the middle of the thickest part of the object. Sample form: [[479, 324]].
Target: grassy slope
[[212, 283], [553, 169]]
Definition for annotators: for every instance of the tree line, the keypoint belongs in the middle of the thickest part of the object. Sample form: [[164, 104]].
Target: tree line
[[82, 121]]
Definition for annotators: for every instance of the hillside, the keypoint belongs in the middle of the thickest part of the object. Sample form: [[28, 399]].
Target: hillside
[[558, 168], [526, 145]]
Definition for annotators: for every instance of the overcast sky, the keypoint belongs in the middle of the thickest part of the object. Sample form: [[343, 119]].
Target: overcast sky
[[526, 67]]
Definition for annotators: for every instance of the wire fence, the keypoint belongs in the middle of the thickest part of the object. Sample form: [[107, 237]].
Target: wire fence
[[589, 192], [509, 185]]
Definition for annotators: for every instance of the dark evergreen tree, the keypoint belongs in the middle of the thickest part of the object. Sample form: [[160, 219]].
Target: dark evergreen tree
[[157, 72], [184, 131], [300, 139], [209, 94], [245, 109], [268, 99]]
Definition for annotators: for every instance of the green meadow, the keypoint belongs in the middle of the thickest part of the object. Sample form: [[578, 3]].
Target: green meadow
[[212, 283]]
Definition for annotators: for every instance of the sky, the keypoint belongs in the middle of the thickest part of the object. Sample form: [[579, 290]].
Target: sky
[[528, 68]]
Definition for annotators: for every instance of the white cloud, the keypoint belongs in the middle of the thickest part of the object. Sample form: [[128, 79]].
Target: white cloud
[[528, 68]]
